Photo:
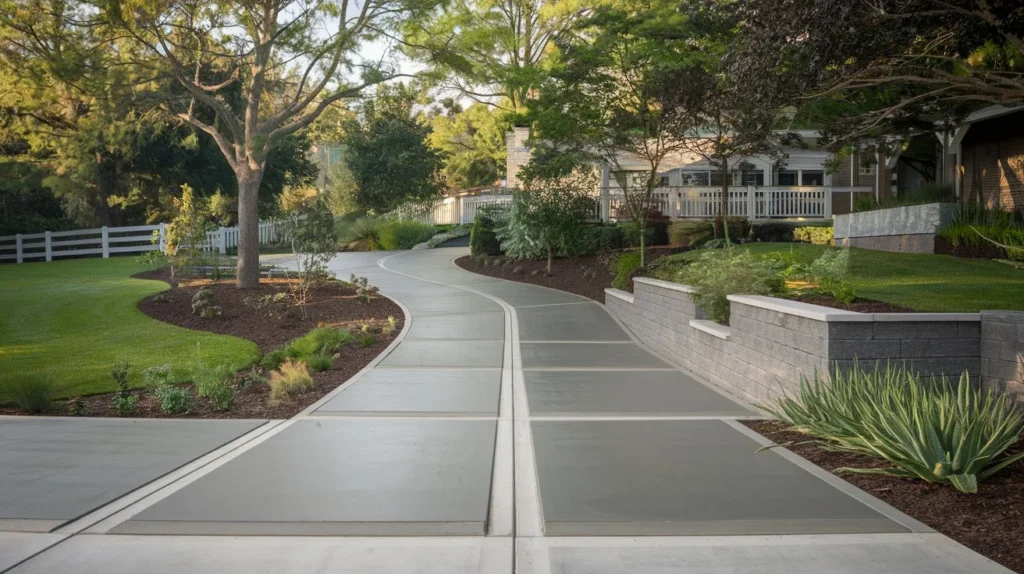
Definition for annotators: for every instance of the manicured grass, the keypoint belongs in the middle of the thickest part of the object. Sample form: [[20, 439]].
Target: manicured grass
[[72, 320], [926, 283]]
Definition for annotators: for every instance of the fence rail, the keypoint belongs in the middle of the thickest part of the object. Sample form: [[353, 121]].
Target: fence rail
[[105, 241], [450, 210]]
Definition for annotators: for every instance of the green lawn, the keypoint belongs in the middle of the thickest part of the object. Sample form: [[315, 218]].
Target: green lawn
[[927, 283], [74, 319]]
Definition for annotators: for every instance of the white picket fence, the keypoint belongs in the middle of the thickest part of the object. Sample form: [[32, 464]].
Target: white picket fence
[[751, 202], [450, 210], [105, 241]]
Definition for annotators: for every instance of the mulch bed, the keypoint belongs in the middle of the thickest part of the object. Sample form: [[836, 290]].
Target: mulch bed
[[333, 305], [986, 251], [859, 305], [989, 522]]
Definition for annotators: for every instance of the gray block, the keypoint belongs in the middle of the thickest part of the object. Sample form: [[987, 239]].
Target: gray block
[[682, 478], [446, 354], [587, 322], [588, 356], [482, 326], [588, 393], [341, 477], [420, 391], [55, 470]]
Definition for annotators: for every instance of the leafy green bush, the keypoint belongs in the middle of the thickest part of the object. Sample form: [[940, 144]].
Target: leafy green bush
[[976, 227], [631, 234], [829, 273], [223, 397], [739, 228], [175, 400], [817, 235], [320, 362], [124, 401], [482, 237], [690, 233], [926, 429], [364, 233], [273, 359], [323, 340], [32, 393], [515, 236], [396, 235], [623, 266], [716, 274], [772, 232], [608, 238], [209, 381]]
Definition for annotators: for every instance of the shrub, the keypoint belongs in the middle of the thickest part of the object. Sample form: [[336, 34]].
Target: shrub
[[829, 272], [482, 237], [174, 400], [202, 304], [631, 234], [396, 235], [927, 193], [364, 233], [209, 381], [124, 405], [366, 339], [518, 240], [272, 306], [320, 362], [716, 274], [658, 223], [319, 341], [273, 359], [364, 291], [156, 376], [123, 400], [818, 235], [253, 378], [739, 228], [32, 393], [975, 227], [691, 233], [291, 379], [926, 429], [608, 238], [222, 396], [772, 232], [623, 266]]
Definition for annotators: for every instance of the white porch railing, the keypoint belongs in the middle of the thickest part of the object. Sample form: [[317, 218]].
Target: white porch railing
[[450, 210], [105, 241], [750, 202]]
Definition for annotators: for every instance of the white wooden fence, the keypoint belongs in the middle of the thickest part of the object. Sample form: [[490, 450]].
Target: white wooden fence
[[751, 202], [450, 210], [105, 241]]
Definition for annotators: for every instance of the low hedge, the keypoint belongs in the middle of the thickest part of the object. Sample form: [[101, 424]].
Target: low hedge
[[482, 239], [813, 235]]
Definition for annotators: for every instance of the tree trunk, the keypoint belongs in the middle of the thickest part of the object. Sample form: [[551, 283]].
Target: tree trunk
[[248, 276], [551, 257]]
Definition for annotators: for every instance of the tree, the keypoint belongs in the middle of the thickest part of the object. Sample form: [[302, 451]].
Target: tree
[[612, 97], [388, 154], [557, 211], [886, 67], [473, 144], [493, 51], [237, 63]]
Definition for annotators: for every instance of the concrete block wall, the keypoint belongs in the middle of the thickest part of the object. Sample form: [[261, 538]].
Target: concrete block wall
[[771, 343], [1002, 352]]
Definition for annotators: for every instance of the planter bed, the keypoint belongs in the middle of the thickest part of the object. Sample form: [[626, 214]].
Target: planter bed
[[989, 522], [858, 305], [333, 305]]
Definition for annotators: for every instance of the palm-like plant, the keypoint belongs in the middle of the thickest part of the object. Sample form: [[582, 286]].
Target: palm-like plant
[[927, 429]]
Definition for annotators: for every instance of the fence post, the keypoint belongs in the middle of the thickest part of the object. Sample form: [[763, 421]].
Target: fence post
[[222, 240], [49, 247], [751, 203], [106, 242], [17, 245], [163, 238], [828, 203]]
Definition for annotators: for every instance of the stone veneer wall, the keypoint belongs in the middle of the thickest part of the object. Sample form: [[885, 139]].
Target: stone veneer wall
[[1002, 351], [770, 343]]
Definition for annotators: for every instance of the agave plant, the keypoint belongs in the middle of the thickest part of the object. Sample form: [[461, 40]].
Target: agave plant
[[926, 428]]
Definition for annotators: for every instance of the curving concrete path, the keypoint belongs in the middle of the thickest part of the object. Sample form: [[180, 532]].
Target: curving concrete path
[[510, 428]]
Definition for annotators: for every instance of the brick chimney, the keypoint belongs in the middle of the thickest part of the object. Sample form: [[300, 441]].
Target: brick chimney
[[518, 154]]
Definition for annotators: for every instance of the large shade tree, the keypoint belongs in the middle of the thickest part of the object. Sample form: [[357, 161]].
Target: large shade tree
[[257, 71]]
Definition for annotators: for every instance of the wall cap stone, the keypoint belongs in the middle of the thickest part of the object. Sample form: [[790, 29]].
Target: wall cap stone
[[619, 294], [806, 310], [664, 284], [921, 317], [712, 328]]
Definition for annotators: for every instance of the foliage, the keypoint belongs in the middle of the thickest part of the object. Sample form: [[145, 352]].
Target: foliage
[[31, 393], [927, 429], [186, 233], [772, 232], [607, 238], [624, 266], [273, 306], [445, 236], [396, 235], [818, 235], [716, 274], [388, 154], [738, 228], [253, 377], [554, 212], [174, 400], [322, 340], [365, 339], [482, 238], [291, 379], [690, 233], [155, 376], [320, 362], [202, 304], [364, 233], [309, 225], [364, 291], [927, 193], [207, 381], [473, 144], [124, 401], [830, 273], [515, 235], [223, 397], [976, 227]]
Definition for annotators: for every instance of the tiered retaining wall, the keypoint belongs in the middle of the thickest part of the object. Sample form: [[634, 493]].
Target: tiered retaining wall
[[770, 343]]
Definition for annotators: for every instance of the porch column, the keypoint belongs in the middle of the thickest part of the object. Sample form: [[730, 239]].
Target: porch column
[[605, 203]]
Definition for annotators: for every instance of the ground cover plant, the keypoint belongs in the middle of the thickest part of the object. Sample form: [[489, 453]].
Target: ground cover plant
[[71, 320], [715, 274], [929, 429]]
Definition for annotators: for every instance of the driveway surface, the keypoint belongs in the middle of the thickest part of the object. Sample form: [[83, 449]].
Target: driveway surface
[[510, 428]]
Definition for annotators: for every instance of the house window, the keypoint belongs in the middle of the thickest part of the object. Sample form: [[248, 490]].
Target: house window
[[753, 177], [663, 181], [788, 177], [867, 169], [695, 178], [812, 177]]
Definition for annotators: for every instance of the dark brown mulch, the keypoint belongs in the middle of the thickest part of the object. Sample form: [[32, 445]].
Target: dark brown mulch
[[334, 304], [989, 522], [987, 251], [566, 274], [859, 305]]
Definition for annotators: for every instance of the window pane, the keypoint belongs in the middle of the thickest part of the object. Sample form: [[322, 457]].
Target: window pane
[[787, 178], [813, 178]]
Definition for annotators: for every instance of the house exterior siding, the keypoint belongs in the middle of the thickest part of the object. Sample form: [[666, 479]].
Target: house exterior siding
[[993, 162]]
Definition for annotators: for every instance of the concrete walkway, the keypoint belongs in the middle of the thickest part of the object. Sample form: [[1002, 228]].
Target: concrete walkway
[[511, 428]]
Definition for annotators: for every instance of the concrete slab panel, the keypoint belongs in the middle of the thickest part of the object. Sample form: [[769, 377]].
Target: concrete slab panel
[[17, 546], [374, 477], [624, 393], [522, 294], [420, 392], [588, 356], [446, 354], [832, 554], [682, 478], [482, 326], [53, 470], [455, 302], [110, 554], [587, 322]]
